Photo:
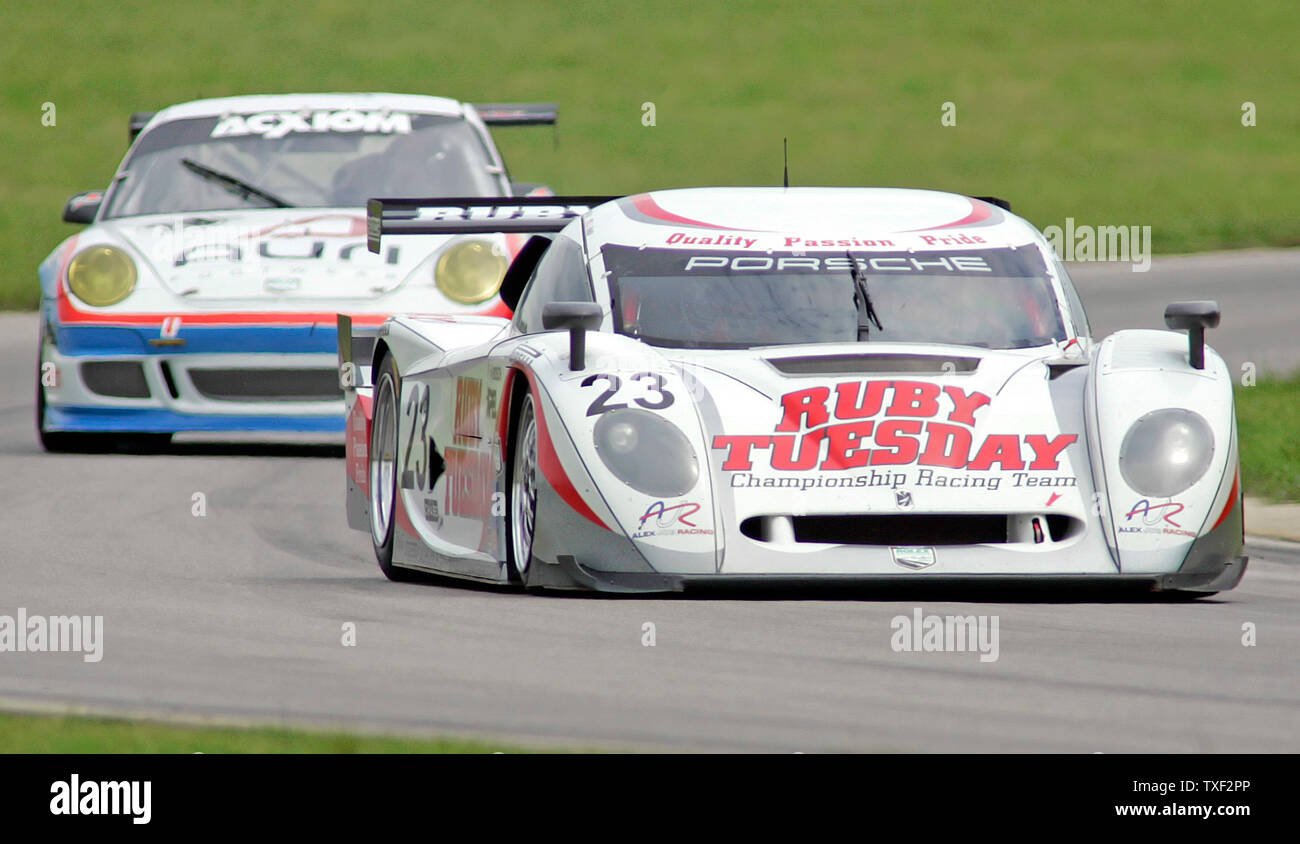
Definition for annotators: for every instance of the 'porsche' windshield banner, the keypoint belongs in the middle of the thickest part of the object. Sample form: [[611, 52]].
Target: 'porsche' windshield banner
[[1021, 262]]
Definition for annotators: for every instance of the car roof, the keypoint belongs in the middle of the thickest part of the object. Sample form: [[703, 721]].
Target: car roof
[[812, 218], [325, 102]]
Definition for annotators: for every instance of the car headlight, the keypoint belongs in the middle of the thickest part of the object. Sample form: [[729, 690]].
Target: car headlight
[[101, 276], [1166, 451], [646, 452], [470, 271]]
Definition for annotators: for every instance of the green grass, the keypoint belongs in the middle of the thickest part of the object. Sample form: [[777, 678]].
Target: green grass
[[68, 734], [1109, 112], [1270, 450]]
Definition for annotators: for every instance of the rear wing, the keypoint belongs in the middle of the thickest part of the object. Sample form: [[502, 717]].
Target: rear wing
[[518, 114], [474, 215]]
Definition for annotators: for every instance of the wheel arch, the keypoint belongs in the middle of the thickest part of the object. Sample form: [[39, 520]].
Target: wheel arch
[[377, 355], [516, 389]]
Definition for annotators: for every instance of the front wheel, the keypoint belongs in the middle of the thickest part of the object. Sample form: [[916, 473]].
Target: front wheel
[[383, 470], [523, 492]]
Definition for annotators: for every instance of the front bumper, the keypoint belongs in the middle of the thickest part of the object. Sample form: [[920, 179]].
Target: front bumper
[[201, 378], [581, 576]]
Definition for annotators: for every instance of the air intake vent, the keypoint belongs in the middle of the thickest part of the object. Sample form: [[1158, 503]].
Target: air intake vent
[[912, 529], [123, 379], [267, 384], [875, 364]]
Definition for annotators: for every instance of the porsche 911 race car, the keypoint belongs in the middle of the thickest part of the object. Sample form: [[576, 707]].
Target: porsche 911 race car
[[202, 297], [741, 385]]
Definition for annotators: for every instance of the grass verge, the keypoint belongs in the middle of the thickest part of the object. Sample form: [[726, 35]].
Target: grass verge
[[1268, 420], [74, 734], [1113, 112]]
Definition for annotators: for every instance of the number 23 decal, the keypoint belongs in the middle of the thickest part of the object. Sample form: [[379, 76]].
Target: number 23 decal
[[602, 404], [416, 457]]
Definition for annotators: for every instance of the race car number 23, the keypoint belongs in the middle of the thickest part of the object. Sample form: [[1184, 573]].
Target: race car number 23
[[417, 451], [659, 399]]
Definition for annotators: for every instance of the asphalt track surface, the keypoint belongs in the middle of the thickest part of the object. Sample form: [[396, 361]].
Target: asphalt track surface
[[237, 615]]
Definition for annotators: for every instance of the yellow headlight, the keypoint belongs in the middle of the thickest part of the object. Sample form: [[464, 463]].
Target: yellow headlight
[[101, 276], [470, 271]]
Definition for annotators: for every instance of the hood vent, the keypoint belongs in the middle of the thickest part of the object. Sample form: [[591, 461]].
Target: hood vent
[[875, 364]]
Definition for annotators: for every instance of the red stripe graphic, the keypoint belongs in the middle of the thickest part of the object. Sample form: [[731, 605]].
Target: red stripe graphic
[[646, 205], [980, 211], [552, 468], [70, 313], [1232, 500]]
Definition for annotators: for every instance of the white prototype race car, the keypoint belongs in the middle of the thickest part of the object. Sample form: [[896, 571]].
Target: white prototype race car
[[202, 296], [744, 385]]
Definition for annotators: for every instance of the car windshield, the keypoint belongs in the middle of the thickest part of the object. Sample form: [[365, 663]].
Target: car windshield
[[993, 298], [307, 159]]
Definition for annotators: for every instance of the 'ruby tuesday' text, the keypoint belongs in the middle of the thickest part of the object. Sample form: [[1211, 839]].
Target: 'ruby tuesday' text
[[909, 433]]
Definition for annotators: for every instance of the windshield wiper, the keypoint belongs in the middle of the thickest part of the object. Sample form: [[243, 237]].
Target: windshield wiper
[[232, 184], [862, 301]]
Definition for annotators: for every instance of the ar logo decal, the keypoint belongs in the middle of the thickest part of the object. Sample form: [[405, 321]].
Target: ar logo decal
[[1145, 507], [665, 514]]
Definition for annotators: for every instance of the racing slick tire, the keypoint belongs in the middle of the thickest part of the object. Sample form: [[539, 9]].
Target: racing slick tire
[[522, 483], [382, 470]]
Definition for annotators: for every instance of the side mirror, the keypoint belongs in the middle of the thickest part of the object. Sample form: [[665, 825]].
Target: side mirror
[[83, 207], [579, 318], [139, 119], [1194, 318]]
